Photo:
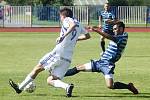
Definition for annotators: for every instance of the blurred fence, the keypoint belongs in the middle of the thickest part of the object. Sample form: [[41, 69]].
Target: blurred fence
[[39, 16], [15, 16]]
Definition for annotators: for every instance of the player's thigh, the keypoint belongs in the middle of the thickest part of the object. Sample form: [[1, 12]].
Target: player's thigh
[[85, 67], [49, 61], [61, 69], [107, 70]]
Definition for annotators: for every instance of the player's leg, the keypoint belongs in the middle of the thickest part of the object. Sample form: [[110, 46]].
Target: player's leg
[[114, 85], [56, 82], [119, 85], [30, 77], [85, 67], [57, 74], [108, 71], [102, 43]]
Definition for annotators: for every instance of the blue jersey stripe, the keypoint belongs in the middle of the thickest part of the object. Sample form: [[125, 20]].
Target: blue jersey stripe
[[115, 48], [105, 16]]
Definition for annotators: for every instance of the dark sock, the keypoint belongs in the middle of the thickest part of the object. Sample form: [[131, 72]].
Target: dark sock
[[103, 46], [71, 72], [119, 85]]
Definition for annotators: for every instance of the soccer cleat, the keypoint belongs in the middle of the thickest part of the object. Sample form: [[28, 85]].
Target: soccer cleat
[[14, 86], [69, 90], [132, 88]]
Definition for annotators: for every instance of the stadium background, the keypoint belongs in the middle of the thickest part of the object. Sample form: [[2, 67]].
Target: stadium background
[[26, 38], [86, 11]]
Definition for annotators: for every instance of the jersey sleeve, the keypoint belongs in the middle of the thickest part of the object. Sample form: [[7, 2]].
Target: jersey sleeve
[[66, 22]]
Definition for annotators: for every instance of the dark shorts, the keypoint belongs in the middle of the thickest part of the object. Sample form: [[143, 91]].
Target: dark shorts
[[103, 66]]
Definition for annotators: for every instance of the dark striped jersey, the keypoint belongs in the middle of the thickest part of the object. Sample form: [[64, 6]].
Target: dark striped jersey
[[105, 15], [115, 48]]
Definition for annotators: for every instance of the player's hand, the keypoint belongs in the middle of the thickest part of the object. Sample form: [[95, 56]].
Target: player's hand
[[100, 26]]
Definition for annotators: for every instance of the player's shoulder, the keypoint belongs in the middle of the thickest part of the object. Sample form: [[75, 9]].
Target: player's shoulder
[[120, 37], [125, 34], [68, 19]]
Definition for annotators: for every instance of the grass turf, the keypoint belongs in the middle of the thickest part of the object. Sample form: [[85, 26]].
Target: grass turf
[[19, 52]]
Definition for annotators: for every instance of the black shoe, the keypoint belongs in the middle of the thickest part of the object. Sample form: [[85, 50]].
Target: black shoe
[[132, 88], [15, 86], [69, 90]]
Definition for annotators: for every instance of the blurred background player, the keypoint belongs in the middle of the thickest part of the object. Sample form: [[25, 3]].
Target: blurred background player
[[106, 64], [106, 21], [58, 60]]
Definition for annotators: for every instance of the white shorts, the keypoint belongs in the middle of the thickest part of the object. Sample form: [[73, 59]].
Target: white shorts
[[56, 65]]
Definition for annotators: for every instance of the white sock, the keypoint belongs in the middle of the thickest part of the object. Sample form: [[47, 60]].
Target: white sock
[[59, 83], [27, 80]]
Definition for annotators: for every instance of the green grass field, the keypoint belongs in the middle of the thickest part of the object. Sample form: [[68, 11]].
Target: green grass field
[[19, 52]]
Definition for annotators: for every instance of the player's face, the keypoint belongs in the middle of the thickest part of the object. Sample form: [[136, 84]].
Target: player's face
[[62, 17], [117, 30], [106, 7]]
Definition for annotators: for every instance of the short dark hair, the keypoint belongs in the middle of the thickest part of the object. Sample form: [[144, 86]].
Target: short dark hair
[[120, 24], [66, 12]]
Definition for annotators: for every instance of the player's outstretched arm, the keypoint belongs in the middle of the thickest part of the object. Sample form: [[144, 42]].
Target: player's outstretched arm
[[112, 21], [110, 37], [84, 37]]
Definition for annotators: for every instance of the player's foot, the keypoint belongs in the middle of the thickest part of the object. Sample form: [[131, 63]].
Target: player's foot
[[69, 90], [132, 88], [14, 86]]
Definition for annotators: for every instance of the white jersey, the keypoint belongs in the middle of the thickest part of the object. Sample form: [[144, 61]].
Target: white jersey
[[65, 48]]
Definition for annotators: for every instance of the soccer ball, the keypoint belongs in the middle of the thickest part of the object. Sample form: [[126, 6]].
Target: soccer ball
[[30, 87]]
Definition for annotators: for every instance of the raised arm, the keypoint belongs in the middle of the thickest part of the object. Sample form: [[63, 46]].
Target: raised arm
[[106, 35], [72, 26], [109, 21]]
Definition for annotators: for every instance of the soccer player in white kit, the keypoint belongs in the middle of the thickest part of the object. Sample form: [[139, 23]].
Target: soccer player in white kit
[[58, 60]]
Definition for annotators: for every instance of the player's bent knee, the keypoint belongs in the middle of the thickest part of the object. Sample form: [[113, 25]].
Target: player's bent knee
[[51, 78], [110, 86], [102, 38]]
